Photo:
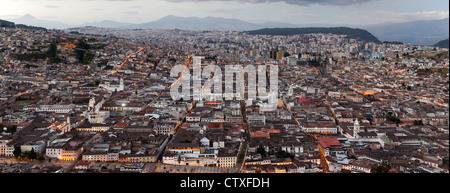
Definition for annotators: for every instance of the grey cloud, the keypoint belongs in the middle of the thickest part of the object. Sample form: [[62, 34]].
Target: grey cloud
[[51, 6], [135, 7], [293, 2], [129, 13], [51, 17]]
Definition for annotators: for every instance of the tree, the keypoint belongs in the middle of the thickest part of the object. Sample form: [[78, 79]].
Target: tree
[[17, 151], [261, 150], [41, 157], [392, 118], [83, 45], [418, 122], [31, 154], [171, 59], [87, 58], [11, 129], [283, 154], [384, 167], [352, 157], [80, 55], [52, 50]]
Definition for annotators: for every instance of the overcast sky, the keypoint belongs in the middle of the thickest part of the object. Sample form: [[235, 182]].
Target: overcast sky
[[348, 12]]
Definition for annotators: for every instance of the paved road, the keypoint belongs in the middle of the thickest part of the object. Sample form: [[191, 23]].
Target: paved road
[[241, 156], [243, 148]]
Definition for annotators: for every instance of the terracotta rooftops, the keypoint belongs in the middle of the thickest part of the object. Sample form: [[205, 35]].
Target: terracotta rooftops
[[328, 142]]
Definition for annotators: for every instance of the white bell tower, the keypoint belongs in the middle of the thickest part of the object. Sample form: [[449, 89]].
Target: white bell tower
[[91, 104], [69, 124], [290, 91], [202, 130], [356, 128], [121, 85]]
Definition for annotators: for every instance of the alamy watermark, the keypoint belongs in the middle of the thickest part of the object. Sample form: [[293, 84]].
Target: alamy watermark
[[256, 76]]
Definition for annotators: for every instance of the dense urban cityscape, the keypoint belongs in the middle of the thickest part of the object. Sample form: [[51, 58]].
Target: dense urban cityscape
[[97, 100]]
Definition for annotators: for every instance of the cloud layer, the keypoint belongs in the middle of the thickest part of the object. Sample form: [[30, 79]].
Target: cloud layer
[[293, 2], [381, 16]]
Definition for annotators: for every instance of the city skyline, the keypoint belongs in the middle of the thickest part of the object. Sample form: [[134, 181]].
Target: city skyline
[[304, 12]]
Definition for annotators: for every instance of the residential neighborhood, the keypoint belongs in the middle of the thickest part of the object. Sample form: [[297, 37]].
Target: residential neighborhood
[[98, 100]]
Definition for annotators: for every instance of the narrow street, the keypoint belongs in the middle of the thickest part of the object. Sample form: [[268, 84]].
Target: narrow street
[[242, 154]]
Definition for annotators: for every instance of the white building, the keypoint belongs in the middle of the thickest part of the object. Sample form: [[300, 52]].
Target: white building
[[56, 108], [93, 113], [227, 158], [6, 150], [38, 147], [193, 118], [54, 149], [113, 87]]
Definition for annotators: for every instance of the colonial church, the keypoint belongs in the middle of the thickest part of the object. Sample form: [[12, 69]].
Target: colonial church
[[113, 86]]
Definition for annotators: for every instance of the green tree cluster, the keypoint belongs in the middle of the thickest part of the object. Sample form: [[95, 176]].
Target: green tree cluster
[[261, 151], [384, 167], [11, 129], [393, 119], [418, 122], [283, 154], [51, 55], [83, 54], [18, 154]]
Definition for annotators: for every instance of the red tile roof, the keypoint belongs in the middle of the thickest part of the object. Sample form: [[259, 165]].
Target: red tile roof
[[328, 142], [82, 162]]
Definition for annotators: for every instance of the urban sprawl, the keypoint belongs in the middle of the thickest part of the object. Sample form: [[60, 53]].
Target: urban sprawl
[[94, 100]]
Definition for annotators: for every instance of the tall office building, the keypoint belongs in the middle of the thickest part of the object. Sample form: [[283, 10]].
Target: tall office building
[[273, 54], [280, 55]]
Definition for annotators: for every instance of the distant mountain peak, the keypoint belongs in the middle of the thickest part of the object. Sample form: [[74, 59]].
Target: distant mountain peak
[[28, 19], [171, 17], [27, 16]]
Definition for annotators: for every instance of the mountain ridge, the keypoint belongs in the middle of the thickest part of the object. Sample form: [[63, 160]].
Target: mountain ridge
[[9, 24], [107, 24], [30, 20], [423, 32], [442, 44], [356, 33], [197, 23], [414, 33]]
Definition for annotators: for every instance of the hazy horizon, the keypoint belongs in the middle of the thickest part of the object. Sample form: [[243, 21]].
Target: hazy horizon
[[301, 12], [305, 24]]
